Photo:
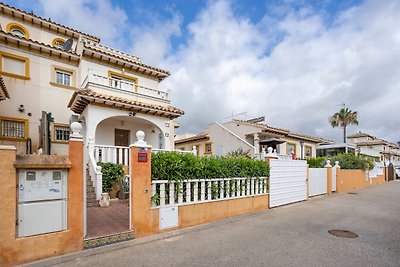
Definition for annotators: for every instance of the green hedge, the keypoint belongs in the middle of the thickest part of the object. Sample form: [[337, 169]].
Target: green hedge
[[111, 174], [346, 161], [174, 166]]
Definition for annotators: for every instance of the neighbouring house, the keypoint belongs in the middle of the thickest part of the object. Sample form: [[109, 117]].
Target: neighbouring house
[[328, 150], [374, 148], [53, 75], [252, 136]]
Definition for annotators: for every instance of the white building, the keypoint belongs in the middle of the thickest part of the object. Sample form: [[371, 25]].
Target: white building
[[112, 93], [378, 149], [47, 68], [252, 136]]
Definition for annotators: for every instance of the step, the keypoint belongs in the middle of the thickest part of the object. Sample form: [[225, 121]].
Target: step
[[107, 240]]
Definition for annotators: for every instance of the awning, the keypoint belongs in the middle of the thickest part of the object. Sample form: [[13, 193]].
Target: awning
[[272, 141]]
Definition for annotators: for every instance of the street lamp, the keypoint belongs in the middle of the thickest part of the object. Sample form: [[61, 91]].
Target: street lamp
[[301, 149]]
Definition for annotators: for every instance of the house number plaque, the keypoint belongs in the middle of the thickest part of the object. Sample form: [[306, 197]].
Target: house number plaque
[[142, 154]]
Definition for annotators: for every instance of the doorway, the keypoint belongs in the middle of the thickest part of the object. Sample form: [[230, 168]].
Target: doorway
[[121, 137]]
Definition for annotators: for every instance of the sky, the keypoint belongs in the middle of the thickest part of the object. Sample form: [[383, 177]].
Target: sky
[[296, 62]]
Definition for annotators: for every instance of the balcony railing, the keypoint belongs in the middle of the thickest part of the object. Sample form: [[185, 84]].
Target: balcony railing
[[125, 86]]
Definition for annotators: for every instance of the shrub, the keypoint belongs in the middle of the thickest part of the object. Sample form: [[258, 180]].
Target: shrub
[[173, 166], [346, 161], [112, 173]]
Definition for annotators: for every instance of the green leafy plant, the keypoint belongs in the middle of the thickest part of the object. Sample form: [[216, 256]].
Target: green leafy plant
[[346, 161], [173, 166], [112, 173]]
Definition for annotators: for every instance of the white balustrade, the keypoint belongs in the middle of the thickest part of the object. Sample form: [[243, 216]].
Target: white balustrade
[[113, 154], [200, 191], [124, 85]]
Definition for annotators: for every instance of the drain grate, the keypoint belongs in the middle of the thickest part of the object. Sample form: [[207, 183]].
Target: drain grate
[[352, 193], [343, 233]]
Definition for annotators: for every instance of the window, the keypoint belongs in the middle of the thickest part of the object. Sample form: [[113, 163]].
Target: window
[[14, 66], [18, 30], [13, 128], [122, 81], [61, 132], [208, 148], [63, 77], [290, 147], [58, 42]]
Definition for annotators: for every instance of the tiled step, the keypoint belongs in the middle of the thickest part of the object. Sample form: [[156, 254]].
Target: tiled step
[[107, 240]]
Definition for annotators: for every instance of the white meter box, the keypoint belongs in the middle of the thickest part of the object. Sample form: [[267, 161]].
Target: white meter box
[[168, 217], [42, 201]]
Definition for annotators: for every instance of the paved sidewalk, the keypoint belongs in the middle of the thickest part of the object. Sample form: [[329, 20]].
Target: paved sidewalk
[[293, 235]]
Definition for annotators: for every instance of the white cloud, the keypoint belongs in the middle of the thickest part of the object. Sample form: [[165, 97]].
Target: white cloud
[[152, 42], [223, 69], [96, 17]]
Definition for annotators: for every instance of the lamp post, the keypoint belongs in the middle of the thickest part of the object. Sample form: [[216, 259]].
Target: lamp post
[[301, 149]]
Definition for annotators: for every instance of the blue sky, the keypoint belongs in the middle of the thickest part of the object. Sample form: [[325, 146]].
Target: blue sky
[[293, 62]]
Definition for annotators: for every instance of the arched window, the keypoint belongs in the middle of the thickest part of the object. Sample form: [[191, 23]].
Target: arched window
[[18, 30], [58, 42]]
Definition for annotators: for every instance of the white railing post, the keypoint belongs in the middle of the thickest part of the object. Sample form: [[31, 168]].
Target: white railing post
[[172, 193], [203, 190], [99, 182], [95, 171], [188, 191], [162, 194], [194, 150]]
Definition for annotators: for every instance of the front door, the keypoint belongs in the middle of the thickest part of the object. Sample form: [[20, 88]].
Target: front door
[[121, 137]]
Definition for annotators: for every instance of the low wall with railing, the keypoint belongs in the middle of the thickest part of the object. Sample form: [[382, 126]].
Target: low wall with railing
[[204, 201]]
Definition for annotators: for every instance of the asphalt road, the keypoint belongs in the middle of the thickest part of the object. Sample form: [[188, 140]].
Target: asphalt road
[[293, 235]]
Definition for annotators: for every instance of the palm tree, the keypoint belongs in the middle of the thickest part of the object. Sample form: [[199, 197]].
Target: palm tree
[[343, 118]]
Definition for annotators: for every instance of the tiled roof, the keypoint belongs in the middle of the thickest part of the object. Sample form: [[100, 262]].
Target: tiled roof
[[375, 142], [195, 138], [83, 97], [4, 93], [359, 135], [31, 43], [124, 56], [285, 132], [26, 15]]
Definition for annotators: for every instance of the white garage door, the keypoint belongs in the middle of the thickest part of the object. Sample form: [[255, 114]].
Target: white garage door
[[287, 182]]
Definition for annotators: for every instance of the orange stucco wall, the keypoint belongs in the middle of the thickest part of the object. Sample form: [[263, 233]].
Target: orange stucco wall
[[14, 250], [195, 214], [348, 180]]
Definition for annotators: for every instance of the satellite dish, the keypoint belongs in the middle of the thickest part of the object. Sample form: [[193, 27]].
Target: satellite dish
[[68, 44]]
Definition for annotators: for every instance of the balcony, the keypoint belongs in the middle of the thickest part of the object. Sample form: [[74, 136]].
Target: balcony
[[93, 80]]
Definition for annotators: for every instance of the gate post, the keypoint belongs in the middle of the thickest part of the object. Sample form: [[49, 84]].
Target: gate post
[[328, 167], [140, 186]]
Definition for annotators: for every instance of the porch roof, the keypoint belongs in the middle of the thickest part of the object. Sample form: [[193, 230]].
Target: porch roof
[[83, 97], [3, 92]]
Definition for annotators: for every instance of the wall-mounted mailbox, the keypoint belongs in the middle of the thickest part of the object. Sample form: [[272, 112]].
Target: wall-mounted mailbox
[[142, 154]]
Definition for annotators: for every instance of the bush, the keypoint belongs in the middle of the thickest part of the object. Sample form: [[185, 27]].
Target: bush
[[173, 166], [346, 161], [112, 173]]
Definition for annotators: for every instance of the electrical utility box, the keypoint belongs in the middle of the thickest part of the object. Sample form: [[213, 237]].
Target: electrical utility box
[[42, 201]]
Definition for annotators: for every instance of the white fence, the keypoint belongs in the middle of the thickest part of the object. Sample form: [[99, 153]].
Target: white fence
[[317, 181], [198, 191], [113, 154], [155, 151]]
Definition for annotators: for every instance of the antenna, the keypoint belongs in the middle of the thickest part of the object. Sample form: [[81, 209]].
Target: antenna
[[68, 44]]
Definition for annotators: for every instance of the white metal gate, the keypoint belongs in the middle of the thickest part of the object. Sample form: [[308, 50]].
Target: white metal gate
[[287, 182], [334, 179], [317, 181]]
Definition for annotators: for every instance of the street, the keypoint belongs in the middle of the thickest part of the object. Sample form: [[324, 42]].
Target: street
[[293, 235]]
